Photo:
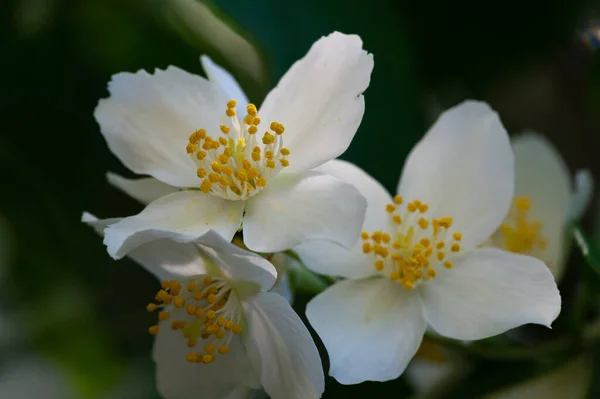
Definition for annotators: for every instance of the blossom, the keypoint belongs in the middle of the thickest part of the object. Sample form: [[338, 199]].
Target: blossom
[[419, 262], [223, 167], [545, 202], [219, 333]]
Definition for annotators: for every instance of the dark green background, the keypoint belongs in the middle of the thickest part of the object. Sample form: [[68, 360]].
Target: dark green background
[[85, 311]]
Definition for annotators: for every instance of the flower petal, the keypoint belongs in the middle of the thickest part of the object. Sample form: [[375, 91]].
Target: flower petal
[[319, 100], [145, 190], [488, 292], [371, 328], [179, 379], [179, 215], [165, 258], [284, 263], [328, 258], [281, 349], [298, 207], [148, 119], [230, 86], [582, 194], [237, 264], [464, 169], [542, 176]]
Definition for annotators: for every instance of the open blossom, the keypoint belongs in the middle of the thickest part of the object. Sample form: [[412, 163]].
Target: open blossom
[[222, 164], [420, 261], [545, 202], [219, 333]]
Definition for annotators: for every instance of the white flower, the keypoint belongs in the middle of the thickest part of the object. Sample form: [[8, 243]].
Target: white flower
[[220, 334], [545, 203], [251, 172], [419, 262]]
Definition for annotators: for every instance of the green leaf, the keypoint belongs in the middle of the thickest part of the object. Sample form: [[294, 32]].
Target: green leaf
[[587, 248]]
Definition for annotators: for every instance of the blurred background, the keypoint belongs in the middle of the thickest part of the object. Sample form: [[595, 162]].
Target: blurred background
[[72, 321]]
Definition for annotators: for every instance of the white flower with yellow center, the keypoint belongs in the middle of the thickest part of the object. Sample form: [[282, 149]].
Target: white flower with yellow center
[[219, 333], [419, 261], [224, 164], [545, 202]]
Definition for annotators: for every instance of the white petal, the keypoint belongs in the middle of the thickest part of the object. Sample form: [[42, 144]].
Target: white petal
[[328, 258], [281, 349], [488, 292], [464, 169], [230, 86], [165, 258], [145, 190], [371, 328], [148, 119], [181, 214], [542, 175], [571, 380], [299, 207], [284, 263], [176, 378], [238, 265], [319, 100], [582, 194]]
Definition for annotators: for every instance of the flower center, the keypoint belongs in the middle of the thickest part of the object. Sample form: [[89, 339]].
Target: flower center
[[236, 165], [201, 309], [415, 246], [519, 233]]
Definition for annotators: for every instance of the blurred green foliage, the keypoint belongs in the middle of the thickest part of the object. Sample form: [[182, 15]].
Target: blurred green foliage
[[86, 311]]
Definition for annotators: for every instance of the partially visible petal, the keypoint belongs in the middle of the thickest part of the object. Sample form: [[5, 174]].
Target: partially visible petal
[[329, 258], [176, 378], [571, 380], [148, 119], [582, 194], [542, 175], [284, 263], [230, 86], [281, 349], [299, 207], [371, 328], [319, 100], [488, 292], [167, 259], [423, 374], [464, 169], [145, 190], [237, 264], [181, 214]]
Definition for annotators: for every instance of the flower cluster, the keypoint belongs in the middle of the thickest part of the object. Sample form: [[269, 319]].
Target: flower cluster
[[235, 188]]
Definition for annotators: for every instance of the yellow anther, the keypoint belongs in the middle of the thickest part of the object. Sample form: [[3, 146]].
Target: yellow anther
[[379, 265], [448, 265], [522, 203], [284, 151], [446, 222], [221, 320], [220, 334], [457, 236], [364, 235], [270, 164], [269, 154], [440, 255], [397, 219], [193, 358], [228, 325], [385, 237], [225, 129], [236, 329], [177, 325], [376, 236], [230, 112], [248, 119], [423, 223], [201, 155], [216, 167], [439, 245], [224, 159], [151, 307], [206, 359], [153, 330], [394, 276], [209, 348], [223, 140], [252, 129], [190, 148], [261, 182], [366, 247], [284, 162], [211, 314], [268, 138], [253, 173], [191, 342], [397, 199], [231, 103], [223, 349], [242, 175], [214, 178], [424, 242], [455, 247], [251, 109], [207, 280], [431, 273], [179, 302], [256, 156], [277, 127], [163, 316], [198, 295], [390, 208], [411, 207], [212, 298], [191, 309], [256, 121], [423, 208], [201, 172]]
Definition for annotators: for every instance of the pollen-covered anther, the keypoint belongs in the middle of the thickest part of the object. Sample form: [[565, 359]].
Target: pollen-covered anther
[[235, 146], [520, 233], [411, 252]]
